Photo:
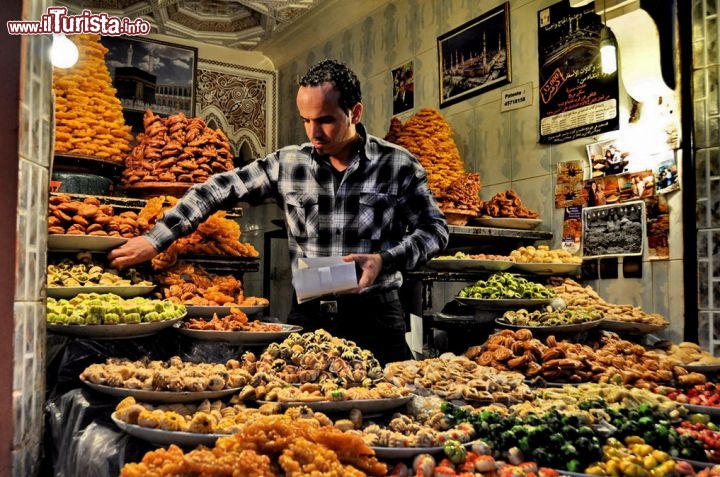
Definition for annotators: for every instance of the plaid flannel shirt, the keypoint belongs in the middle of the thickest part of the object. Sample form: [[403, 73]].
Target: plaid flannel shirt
[[382, 203]]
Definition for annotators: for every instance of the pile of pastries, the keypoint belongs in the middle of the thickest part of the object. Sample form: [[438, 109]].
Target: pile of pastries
[[507, 204], [88, 115], [192, 285], [576, 295], [89, 217], [428, 136], [176, 149], [218, 235], [174, 374]]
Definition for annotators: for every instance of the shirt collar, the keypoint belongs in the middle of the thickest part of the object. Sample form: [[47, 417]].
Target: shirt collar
[[363, 149]]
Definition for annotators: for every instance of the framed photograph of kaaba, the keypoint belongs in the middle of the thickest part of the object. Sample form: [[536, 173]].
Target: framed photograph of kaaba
[[150, 74], [475, 57]]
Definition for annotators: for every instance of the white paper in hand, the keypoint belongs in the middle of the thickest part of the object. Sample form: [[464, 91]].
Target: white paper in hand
[[320, 276]]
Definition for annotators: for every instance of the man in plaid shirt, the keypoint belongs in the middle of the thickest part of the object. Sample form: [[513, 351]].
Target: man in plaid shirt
[[345, 193]]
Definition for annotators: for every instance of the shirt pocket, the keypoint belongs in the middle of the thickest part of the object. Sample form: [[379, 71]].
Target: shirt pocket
[[301, 209], [375, 215]]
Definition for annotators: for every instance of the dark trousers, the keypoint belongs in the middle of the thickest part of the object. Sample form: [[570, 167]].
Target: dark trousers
[[374, 321]]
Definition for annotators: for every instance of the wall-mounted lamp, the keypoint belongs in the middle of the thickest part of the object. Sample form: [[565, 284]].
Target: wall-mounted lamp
[[63, 52], [637, 38], [608, 52]]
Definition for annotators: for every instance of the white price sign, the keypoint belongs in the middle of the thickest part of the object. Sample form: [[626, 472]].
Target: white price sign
[[515, 98]]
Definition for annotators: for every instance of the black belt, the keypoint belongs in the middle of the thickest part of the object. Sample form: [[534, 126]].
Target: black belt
[[331, 304]]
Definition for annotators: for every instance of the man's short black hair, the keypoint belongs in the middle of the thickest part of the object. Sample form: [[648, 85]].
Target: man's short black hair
[[342, 77]]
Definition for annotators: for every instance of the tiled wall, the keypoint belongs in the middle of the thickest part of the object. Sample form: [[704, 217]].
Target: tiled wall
[[706, 98], [34, 155], [501, 146]]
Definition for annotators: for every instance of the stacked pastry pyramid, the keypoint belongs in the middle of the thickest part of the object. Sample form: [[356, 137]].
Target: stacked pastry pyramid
[[428, 136], [88, 114]]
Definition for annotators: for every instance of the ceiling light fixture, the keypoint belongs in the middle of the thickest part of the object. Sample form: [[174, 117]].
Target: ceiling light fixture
[[608, 49], [63, 52]]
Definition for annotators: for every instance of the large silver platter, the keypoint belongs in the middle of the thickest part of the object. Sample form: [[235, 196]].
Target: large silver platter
[[630, 327], [79, 243], [238, 337], [547, 268], [161, 396], [198, 311], [696, 464], [407, 452], [572, 474], [162, 437], [121, 330], [461, 264], [501, 304], [709, 410], [125, 291], [702, 368], [569, 328], [365, 405], [507, 222]]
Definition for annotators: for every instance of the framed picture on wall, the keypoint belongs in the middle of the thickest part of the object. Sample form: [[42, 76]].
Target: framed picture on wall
[[152, 74], [614, 230], [475, 57], [403, 88]]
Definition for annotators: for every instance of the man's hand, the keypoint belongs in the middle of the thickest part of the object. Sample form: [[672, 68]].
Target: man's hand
[[370, 264], [134, 251]]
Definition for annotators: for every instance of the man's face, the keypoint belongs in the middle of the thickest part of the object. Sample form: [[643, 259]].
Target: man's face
[[327, 126]]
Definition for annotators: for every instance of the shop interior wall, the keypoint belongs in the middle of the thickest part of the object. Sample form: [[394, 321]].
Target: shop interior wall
[[502, 147], [9, 99]]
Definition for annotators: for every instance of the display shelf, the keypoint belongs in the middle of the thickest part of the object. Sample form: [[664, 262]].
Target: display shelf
[[223, 264], [500, 240], [66, 162], [418, 283], [133, 203]]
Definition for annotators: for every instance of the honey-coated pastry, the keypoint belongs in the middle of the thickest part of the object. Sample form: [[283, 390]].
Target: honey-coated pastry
[[88, 115]]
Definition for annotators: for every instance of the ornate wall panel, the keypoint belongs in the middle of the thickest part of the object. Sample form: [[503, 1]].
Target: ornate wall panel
[[242, 101]]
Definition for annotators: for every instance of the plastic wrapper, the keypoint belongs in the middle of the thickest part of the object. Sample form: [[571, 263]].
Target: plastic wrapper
[[83, 440], [68, 357]]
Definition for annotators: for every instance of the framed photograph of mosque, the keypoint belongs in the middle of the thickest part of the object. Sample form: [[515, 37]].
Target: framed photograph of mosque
[[475, 57], [152, 74]]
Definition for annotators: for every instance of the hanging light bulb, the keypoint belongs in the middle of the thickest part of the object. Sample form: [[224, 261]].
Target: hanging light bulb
[[63, 52], [608, 52]]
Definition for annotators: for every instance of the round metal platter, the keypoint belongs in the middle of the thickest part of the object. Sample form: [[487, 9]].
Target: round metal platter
[[198, 311], [702, 368], [547, 268], [507, 222], [570, 328], [79, 243], [407, 452], [125, 291], [501, 304], [630, 327], [239, 337], [119, 331], [709, 410], [163, 437], [463, 264], [161, 396], [365, 405]]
